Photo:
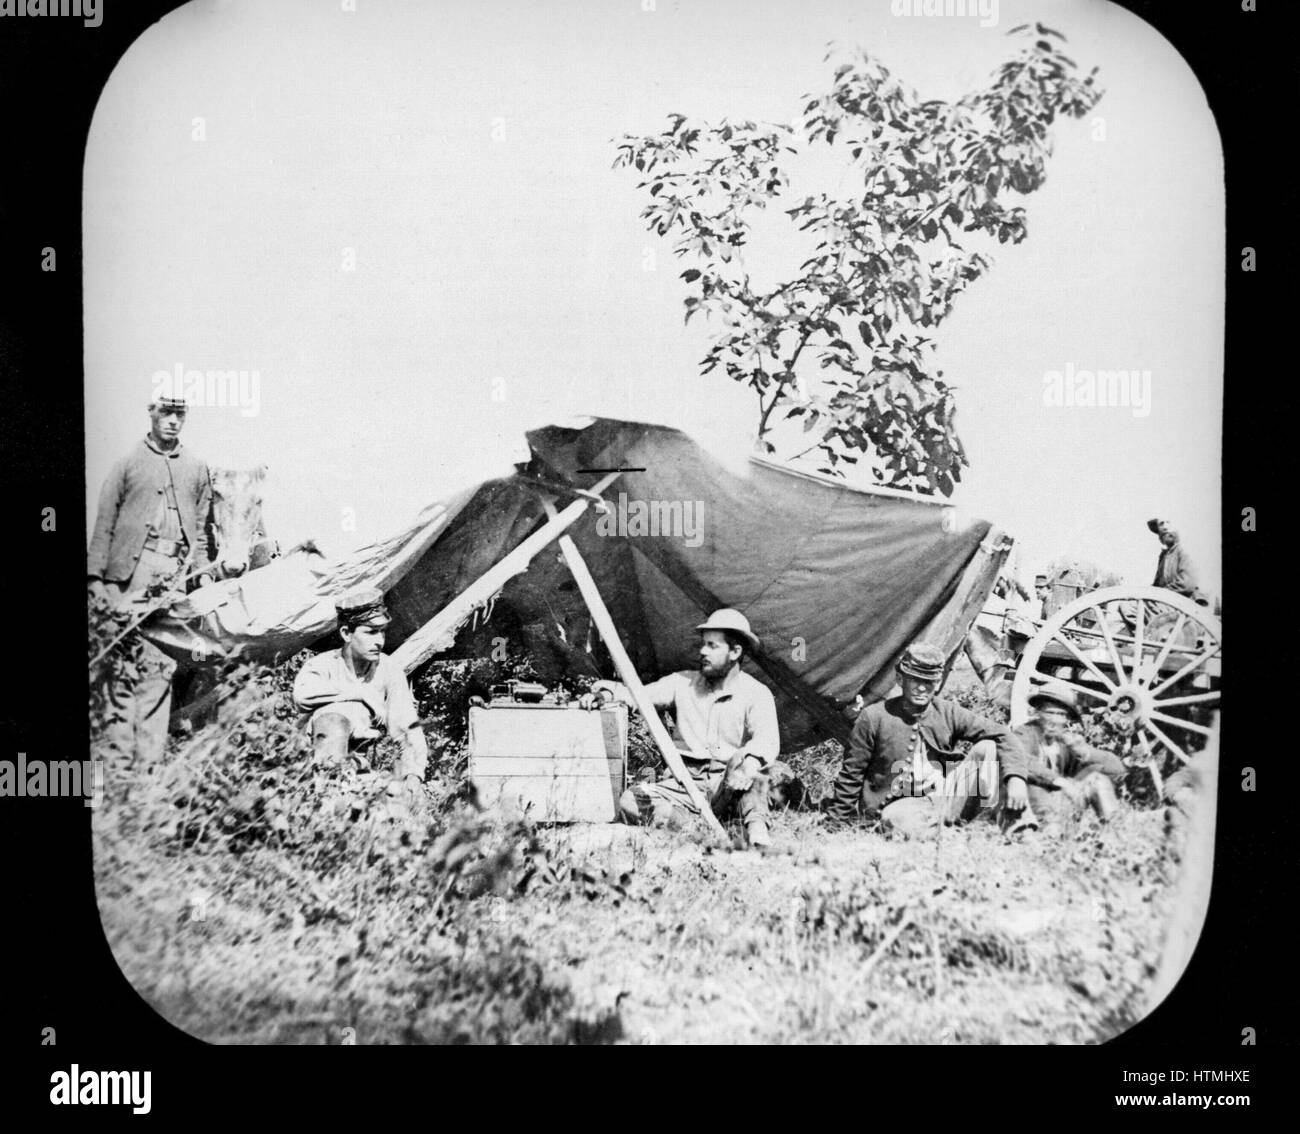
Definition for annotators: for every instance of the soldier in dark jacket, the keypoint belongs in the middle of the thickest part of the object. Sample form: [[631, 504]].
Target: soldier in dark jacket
[[154, 522], [902, 765], [1174, 569], [1065, 773]]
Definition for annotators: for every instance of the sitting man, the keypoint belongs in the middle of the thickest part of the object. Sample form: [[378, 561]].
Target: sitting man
[[727, 724], [1174, 569], [898, 756], [1065, 774], [355, 694]]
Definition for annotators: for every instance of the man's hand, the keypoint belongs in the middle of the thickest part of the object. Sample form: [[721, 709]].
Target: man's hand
[[593, 699], [202, 581], [1071, 788], [98, 592], [740, 777], [1017, 794]]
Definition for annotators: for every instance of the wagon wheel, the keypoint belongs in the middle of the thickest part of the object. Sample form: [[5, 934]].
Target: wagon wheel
[[1146, 658]]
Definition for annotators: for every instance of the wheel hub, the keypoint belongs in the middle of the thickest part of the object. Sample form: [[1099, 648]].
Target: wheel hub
[[1129, 705]]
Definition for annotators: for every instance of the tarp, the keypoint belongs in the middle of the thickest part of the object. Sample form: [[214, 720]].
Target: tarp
[[835, 580]]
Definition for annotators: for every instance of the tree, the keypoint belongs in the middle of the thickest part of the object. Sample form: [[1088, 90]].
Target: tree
[[889, 260]]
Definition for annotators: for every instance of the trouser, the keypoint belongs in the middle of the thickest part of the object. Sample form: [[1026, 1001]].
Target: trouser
[[347, 729], [967, 789], [666, 802], [1055, 805], [141, 710]]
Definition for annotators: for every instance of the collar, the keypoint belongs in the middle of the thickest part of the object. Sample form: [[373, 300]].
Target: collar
[[901, 711], [369, 675], [726, 688], [153, 448]]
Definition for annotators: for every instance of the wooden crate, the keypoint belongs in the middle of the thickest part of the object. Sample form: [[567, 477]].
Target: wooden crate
[[558, 764]]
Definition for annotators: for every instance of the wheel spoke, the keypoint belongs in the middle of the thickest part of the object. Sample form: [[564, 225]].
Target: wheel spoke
[[1137, 648], [1153, 766], [1177, 723], [1163, 656], [1194, 699], [1043, 678], [1160, 736], [1106, 681], [1195, 663], [1110, 643]]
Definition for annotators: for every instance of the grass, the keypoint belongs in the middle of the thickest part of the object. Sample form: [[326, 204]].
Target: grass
[[252, 898]]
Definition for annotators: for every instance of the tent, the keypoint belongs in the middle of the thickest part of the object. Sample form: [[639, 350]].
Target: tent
[[835, 580]]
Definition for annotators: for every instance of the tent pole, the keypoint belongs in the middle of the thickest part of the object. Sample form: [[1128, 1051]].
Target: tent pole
[[627, 671], [439, 632]]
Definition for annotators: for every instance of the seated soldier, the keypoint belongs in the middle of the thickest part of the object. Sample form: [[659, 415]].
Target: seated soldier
[[356, 693], [1065, 774], [727, 723], [897, 764]]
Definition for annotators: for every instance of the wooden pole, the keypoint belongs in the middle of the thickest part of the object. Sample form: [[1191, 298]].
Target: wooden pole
[[440, 631], [627, 671]]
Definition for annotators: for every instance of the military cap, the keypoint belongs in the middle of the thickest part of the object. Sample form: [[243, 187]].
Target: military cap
[[733, 620], [1156, 525], [363, 607], [170, 405], [1056, 694], [922, 661], [1040, 580]]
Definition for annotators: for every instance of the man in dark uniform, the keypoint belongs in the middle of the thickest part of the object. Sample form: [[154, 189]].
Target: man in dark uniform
[[901, 764], [1174, 569], [154, 523], [1043, 593]]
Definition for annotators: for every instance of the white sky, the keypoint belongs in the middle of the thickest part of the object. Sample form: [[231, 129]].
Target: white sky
[[522, 256]]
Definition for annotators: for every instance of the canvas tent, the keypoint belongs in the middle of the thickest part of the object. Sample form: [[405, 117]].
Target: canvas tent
[[835, 580]]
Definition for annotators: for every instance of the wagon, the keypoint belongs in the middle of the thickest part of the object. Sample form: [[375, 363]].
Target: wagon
[[1145, 663]]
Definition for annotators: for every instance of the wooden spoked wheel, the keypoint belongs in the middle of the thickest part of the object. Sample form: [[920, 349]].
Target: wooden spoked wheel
[[1145, 660]]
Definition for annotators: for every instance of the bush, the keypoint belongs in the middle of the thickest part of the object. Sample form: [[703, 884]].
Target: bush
[[393, 886]]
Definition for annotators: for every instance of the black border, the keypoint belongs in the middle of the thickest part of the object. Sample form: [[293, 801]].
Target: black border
[[59, 972]]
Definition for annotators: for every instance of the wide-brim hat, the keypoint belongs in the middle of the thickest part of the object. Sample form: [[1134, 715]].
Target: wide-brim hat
[[1156, 525], [363, 607], [1056, 695], [733, 620], [922, 662]]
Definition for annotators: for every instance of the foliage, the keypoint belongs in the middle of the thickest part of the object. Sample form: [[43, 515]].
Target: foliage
[[443, 691], [889, 262], [241, 821]]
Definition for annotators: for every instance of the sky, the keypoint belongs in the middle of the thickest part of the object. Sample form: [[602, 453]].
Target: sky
[[404, 219]]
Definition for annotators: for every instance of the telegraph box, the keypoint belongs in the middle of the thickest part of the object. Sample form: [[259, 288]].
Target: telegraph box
[[533, 753]]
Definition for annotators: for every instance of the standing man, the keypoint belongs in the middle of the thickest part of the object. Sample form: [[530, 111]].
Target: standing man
[[897, 764], [727, 724], [1174, 569], [1043, 593], [154, 522], [1065, 773], [356, 694]]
